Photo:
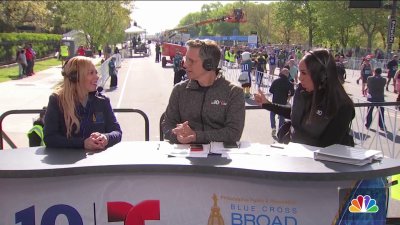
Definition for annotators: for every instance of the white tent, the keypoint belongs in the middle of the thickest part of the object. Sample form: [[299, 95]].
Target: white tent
[[134, 30]]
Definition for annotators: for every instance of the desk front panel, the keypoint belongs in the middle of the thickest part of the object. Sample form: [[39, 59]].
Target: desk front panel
[[167, 199]]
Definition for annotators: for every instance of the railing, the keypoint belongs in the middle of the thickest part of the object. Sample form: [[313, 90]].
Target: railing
[[4, 136]]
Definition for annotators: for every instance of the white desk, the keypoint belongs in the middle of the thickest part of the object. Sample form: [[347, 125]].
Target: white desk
[[56, 184]]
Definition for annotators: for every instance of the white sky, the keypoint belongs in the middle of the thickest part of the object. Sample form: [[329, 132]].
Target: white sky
[[155, 16]]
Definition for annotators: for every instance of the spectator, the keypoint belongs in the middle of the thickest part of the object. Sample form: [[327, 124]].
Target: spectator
[[81, 51], [272, 63], [35, 134], [99, 51], [340, 68], [293, 70], [366, 71], [112, 71], [261, 62], [322, 111], [206, 107], [376, 93], [22, 63], [116, 50], [77, 116], [281, 89], [30, 59], [178, 62], [158, 49], [397, 77], [392, 68]]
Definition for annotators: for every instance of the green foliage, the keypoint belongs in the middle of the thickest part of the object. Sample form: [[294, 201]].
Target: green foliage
[[43, 44], [108, 26], [322, 23]]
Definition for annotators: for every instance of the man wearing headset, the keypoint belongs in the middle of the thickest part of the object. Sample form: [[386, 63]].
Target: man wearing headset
[[206, 107]]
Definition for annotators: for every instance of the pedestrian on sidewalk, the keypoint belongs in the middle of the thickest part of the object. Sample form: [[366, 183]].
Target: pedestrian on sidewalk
[[376, 93], [77, 115], [22, 63], [30, 59]]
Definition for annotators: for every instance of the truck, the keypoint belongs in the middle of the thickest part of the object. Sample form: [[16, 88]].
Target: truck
[[170, 49]]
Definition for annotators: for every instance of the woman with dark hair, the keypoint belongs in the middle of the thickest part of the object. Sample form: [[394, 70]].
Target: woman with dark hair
[[322, 111]]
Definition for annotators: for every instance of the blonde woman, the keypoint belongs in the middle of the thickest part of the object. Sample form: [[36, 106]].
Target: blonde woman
[[77, 115]]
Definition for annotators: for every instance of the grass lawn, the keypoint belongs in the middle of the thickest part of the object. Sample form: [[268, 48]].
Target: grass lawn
[[11, 73]]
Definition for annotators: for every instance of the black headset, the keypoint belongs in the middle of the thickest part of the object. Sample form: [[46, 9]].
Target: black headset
[[73, 75], [207, 63], [323, 71]]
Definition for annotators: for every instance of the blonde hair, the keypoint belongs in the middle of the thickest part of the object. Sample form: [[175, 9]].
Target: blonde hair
[[69, 92]]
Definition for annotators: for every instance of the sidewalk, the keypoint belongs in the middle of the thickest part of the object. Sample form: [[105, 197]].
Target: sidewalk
[[31, 92]]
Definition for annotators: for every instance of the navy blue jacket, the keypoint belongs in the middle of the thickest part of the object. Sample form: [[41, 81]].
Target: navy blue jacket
[[97, 116]]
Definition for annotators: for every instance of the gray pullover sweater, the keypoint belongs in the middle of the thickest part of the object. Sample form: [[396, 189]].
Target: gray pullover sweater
[[215, 113]]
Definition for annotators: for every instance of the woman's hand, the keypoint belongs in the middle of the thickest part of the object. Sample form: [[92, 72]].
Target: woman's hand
[[96, 142], [260, 98]]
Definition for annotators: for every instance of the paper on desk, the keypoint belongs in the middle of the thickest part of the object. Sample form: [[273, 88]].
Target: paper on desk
[[182, 150], [294, 150], [245, 147]]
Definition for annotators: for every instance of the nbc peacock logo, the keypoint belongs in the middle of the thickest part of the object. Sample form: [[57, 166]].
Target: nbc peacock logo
[[363, 204]]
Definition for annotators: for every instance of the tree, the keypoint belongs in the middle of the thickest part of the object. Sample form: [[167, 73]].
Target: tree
[[285, 18], [30, 15], [369, 20], [257, 20], [108, 26]]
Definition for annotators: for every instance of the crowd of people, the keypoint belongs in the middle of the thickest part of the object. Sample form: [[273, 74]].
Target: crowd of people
[[207, 107]]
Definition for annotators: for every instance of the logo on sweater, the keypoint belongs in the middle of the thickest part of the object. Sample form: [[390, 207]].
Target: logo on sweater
[[218, 102]]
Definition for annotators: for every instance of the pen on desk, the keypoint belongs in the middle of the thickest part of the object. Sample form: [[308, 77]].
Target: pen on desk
[[158, 147], [277, 146]]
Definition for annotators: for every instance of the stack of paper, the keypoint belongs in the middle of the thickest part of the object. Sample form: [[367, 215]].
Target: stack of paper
[[348, 155]]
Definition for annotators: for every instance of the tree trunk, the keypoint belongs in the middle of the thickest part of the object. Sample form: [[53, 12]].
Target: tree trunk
[[370, 41], [383, 39]]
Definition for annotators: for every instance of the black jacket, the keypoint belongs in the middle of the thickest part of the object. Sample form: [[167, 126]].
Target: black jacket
[[322, 131], [97, 116], [281, 88]]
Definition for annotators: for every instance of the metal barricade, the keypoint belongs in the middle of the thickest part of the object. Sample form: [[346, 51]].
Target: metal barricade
[[4, 136]]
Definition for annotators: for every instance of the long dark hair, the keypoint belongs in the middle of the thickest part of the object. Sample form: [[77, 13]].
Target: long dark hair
[[328, 93]]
